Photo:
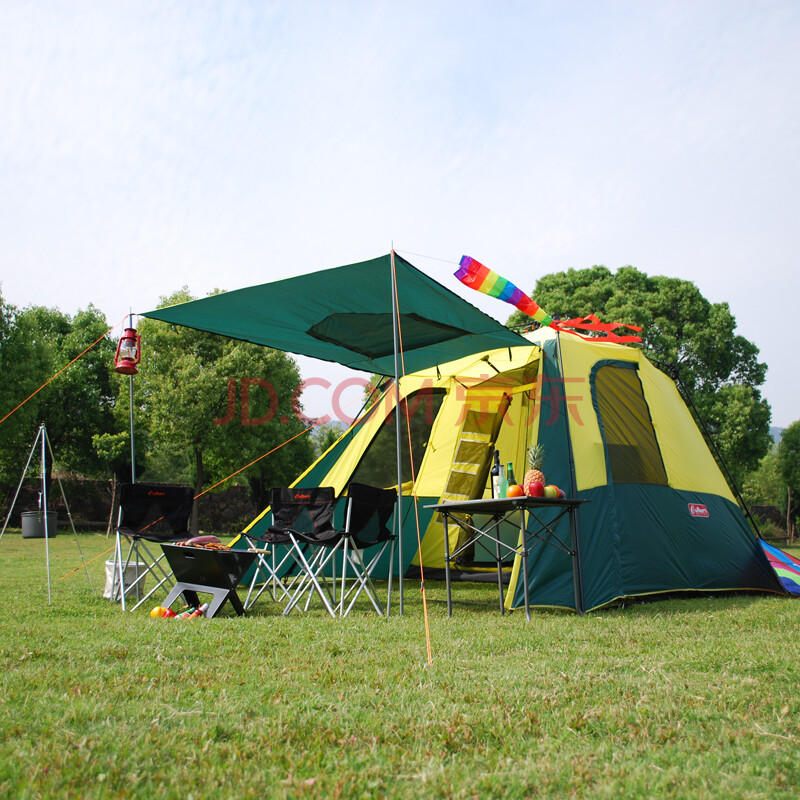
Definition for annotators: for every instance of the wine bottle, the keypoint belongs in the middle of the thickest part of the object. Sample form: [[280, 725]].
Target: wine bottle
[[496, 475]]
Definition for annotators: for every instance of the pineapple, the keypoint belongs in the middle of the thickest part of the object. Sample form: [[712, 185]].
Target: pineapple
[[535, 460]]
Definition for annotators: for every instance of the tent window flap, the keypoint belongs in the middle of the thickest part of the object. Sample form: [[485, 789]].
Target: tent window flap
[[633, 452]]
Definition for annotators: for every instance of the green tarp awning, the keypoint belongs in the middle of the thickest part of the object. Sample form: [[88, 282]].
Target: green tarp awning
[[344, 315]]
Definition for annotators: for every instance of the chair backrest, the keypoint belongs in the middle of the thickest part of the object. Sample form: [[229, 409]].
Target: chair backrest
[[368, 514], [304, 511], [155, 510]]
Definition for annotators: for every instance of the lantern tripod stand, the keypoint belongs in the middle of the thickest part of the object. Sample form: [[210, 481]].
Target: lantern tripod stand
[[42, 440]]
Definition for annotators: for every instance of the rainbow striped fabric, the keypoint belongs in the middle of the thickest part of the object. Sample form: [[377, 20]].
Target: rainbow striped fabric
[[786, 566], [479, 277]]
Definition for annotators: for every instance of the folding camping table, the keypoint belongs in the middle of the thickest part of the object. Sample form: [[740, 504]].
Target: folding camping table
[[214, 572], [534, 530]]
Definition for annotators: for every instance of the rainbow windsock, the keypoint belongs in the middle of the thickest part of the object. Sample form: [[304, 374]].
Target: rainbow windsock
[[479, 277]]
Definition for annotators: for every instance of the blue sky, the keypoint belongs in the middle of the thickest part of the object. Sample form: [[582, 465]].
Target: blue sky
[[151, 145]]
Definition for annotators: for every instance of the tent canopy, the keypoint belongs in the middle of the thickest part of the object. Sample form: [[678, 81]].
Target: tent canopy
[[344, 315]]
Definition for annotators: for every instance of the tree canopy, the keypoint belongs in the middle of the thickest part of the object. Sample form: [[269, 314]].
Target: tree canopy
[[765, 485], [788, 457], [680, 327], [35, 344]]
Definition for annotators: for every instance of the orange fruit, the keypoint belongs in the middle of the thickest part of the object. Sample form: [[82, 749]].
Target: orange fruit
[[515, 490]]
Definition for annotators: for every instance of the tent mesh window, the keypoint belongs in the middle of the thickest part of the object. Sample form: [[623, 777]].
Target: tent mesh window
[[378, 466], [633, 452]]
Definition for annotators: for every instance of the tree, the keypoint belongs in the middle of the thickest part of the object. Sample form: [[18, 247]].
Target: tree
[[325, 436], [765, 485], [220, 402], [719, 368], [6, 318], [22, 370], [76, 405], [789, 465]]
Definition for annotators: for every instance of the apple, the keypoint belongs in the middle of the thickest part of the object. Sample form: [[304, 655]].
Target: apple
[[562, 494], [551, 491], [537, 489]]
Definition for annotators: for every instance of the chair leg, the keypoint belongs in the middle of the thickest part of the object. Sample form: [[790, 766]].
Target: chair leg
[[279, 587], [309, 581], [314, 580], [363, 580], [117, 580], [269, 572], [153, 565], [121, 569], [138, 553], [260, 567]]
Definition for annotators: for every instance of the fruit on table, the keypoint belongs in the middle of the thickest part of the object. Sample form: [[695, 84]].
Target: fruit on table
[[534, 473], [536, 489], [551, 491], [515, 490]]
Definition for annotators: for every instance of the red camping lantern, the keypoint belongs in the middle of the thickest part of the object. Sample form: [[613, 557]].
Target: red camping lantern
[[128, 353]]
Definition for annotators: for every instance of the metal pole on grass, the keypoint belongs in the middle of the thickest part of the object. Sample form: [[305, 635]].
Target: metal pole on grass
[[398, 433], [130, 387], [44, 500]]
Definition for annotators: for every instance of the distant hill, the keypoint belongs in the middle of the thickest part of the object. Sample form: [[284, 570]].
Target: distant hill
[[776, 434]]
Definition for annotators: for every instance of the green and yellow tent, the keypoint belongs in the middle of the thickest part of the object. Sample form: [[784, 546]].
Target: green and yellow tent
[[615, 429], [616, 432]]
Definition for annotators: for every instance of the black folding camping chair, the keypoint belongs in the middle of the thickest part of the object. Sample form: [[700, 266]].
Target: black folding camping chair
[[367, 515], [149, 514], [302, 524]]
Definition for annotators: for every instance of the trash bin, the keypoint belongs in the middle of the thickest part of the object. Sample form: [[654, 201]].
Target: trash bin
[[33, 524]]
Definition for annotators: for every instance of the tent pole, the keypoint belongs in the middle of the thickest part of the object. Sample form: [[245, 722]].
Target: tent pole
[[130, 397], [398, 433]]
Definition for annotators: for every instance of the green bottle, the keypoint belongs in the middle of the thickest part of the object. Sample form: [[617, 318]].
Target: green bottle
[[510, 479]]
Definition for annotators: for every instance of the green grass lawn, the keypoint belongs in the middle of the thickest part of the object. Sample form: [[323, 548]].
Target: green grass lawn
[[694, 697]]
